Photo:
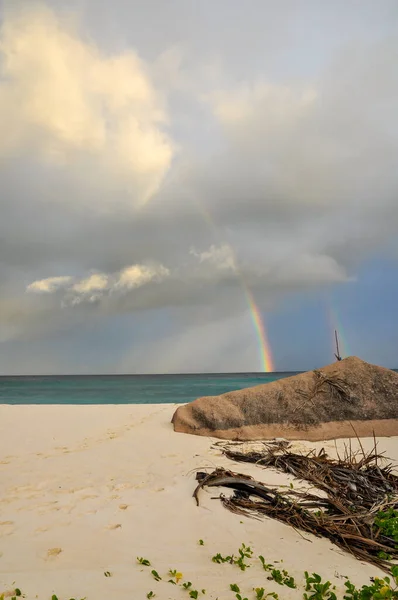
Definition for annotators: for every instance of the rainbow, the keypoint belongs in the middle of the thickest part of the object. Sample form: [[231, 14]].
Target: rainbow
[[264, 348], [267, 363]]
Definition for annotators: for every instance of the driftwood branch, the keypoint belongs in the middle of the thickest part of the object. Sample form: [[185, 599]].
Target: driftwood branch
[[356, 488]]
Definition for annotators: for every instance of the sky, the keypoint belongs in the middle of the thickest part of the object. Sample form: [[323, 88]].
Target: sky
[[197, 186]]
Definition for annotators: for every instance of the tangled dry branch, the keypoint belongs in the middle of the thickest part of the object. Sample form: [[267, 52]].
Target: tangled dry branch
[[355, 489]]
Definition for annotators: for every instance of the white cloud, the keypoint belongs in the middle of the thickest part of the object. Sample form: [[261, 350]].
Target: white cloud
[[94, 287], [138, 275], [49, 285], [75, 107], [94, 283]]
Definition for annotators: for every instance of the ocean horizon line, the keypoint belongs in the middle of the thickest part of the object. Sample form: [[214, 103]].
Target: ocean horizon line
[[193, 374]]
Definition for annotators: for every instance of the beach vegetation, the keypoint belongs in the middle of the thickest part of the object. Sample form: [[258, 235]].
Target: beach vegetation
[[279, 576], [244, 552], [261, 594], [236, 589], [282, 577], [54, 597], [14, 595], [313, 587], [386, 522], [177, 576], [318, 589]]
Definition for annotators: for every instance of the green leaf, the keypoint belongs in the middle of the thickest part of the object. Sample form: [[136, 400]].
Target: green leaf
[[394, 572], [259, 593], [266, 567]]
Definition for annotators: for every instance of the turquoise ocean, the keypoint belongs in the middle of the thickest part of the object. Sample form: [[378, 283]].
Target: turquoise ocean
[[125, 389]]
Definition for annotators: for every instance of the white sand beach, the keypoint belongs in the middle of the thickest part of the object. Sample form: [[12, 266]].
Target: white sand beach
[[87, 489]]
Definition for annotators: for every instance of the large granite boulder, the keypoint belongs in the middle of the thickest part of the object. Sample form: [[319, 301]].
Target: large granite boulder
[[344, 399]]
